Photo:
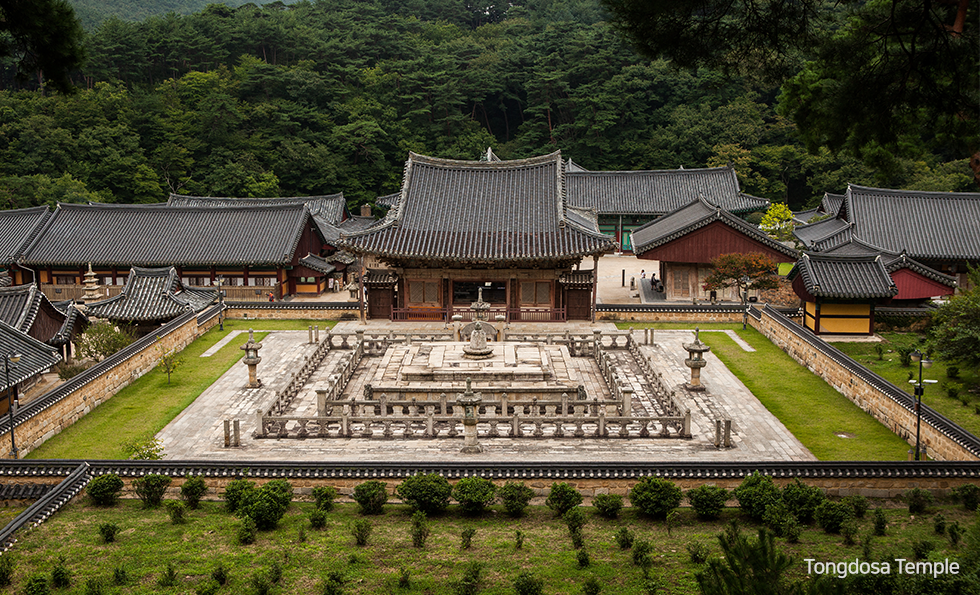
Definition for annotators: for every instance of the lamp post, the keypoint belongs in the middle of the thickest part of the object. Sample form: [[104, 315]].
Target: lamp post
[[12, 358], [745, 298], [923, 363]]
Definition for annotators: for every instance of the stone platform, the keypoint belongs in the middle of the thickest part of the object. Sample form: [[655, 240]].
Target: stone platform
[[509, 363]]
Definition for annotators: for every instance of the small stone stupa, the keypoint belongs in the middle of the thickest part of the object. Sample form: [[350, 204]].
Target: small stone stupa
[[478, 347]]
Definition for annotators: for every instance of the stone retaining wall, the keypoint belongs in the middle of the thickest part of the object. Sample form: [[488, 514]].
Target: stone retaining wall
[[896, 417], [680, 316], [244, 312], [32, 432]]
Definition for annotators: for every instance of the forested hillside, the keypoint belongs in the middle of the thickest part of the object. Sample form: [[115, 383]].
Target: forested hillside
[[329, 96], [93, 12]]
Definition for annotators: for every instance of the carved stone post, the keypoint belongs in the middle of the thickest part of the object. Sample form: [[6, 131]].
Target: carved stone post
[[470, 402], [252, 359]]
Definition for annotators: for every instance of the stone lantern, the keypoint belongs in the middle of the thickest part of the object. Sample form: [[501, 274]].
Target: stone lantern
[[470, 402], [695, 361], [252, 359], [480, 307]]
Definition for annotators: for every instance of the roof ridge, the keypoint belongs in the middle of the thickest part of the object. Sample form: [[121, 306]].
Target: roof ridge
[[916, 193], [720, 170], [464, 164]]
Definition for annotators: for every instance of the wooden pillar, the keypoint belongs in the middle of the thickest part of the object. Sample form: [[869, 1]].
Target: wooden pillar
[[245, 276], [360, 288], [115, 272]]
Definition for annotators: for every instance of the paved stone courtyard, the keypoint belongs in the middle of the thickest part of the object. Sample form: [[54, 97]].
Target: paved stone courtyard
[[198, 432]]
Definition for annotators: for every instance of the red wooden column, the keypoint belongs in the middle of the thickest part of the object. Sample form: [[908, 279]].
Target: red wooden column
[[595, 284]]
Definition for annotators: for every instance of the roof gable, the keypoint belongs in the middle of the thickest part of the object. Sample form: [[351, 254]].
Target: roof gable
[[151, 295], [17, 228], [36, 357], [844, 277]]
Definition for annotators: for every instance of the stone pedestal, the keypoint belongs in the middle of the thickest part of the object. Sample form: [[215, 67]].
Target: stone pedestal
[[252, 359], [478, 348], [696, 361], [470, 401]]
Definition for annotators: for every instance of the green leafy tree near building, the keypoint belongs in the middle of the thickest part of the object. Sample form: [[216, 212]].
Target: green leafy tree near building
[[955, 334]]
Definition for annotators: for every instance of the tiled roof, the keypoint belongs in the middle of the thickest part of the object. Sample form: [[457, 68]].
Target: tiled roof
[[19, 307], [693, 216], [331, 207], [17, 229], [844, 277], [826, 234], [73, 318], [36, 357], [388, 200], [341, 256], [831, 203], [134, 235], [317, 264], [481, 212], [891, 260], [379, 277], [926, 225], [151, 295], [571, 166], [658, 191]]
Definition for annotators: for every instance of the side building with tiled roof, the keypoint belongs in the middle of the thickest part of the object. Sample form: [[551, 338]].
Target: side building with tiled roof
[[26, 308], [686, 240], [18, 228], [502, 229], [627, 200], [255, 249], [936, 229], [151, 297]]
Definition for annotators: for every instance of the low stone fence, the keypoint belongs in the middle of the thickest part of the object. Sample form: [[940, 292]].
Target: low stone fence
[[292, 310], [285, 396], [893, 407], [61, 407]]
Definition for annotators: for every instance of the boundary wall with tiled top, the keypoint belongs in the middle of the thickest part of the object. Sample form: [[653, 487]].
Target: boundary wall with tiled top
[[893, 407], [61, 407]]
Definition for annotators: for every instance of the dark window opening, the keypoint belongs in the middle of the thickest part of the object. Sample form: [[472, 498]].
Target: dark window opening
[[466, 292]]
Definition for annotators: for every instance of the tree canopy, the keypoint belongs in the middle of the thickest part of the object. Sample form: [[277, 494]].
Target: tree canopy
[[862, 76], [43, 38], [742, 271], [955, 330]]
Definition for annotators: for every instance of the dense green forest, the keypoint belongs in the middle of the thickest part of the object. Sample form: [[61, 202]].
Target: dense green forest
[[93, 12], [329, 96]]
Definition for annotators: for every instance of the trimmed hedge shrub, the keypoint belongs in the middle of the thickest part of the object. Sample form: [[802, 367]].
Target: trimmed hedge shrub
[[563, 498], [104, 490], [832, 515], [756, 493], [515, 497], [428, 493], [267, 504], [234, 492], [192, 490], [371, 496], [474, 494], [656, 496], [803, 500], [150, 488], [608, 505], [323, 498], [707, 501], [969, 495], [918, 500]]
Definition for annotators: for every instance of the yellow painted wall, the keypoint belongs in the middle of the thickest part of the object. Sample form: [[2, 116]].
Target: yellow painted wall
[[307, 288], [845, 309], [844, 325]]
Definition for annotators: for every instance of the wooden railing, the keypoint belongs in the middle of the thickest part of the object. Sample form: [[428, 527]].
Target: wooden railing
[[419, 313]]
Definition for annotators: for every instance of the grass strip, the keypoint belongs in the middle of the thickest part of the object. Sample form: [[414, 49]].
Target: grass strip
[[825, 421], [143, 408]]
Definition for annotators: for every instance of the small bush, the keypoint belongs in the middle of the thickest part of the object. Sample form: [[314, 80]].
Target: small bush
[[608, 505], [301, 534], [832, 515], [267, 504], [707, 501], [755, 494], [169, 576], [655, 496], [94, 586], [192, 490], [880, 351], [260, 584], [235, 493], [37, 584], [968, 494], [69, 371], [60, 575], [699, 552], [776, 516], [939, 524], [6, 569], [518, 539], [562, 498], [108, 532], [371, 496], [849, 530], [858, 504], [592, 586], [918, 500], [275, 572], [220, 574], [420, 529], [177, 512], [472, 580], [150, 488], [583, 559], [333, 583], [404, 578], [952, 372], [953, 390], [120, 576], [867, 546], [792, 530], [526, 584], [574, 520], [905, 354], [578, 540], [955, 533], [474, 494], [246, 531], [641, 555], [428, 493], [208, 587], [921, 548], [625, 538], [318, 518], [104, 490], [515, 497], [880, 523], [361, 529], [803, 500], [466, 538], [323, 498]]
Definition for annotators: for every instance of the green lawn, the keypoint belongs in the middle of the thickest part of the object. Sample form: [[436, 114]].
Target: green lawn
[[935, 395], [810, 408], [143, 408], [148, 541]]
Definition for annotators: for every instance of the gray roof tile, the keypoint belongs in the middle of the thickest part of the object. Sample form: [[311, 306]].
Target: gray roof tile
[[151, 295], [844, 277], [134, 235], [317, 264], [481, 212], [331, 207], [657, 192], [36, 357], [17, 229]]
